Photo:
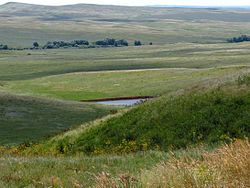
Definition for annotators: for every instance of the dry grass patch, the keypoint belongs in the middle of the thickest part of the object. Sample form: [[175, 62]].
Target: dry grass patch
[[228, 166]]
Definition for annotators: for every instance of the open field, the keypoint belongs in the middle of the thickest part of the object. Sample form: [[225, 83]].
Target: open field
[[84, 86], [94, 73], [100, 73], [201, 84], [20, 65]]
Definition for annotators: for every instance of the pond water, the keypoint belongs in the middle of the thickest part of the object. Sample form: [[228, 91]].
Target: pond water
[[124, 102]]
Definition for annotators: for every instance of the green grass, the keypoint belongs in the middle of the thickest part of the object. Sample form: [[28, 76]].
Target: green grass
[[160, 26], [65, 74], [83, 86], [38, 89], [27, 119], [18, 65], [169, 122], [70, 171]]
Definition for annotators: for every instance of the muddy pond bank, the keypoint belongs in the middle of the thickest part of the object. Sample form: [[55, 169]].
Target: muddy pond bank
[[121, 101]]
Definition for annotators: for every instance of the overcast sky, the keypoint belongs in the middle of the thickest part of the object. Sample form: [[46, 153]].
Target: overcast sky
[[140, 2]]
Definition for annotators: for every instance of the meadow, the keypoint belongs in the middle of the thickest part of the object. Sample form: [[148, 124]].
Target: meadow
[[98, 73], [193, 134]]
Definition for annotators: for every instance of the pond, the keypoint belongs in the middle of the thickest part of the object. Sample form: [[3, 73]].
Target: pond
[[122, 101], [125, 102]]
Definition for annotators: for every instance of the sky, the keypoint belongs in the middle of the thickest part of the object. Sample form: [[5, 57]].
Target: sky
[[139, 2]]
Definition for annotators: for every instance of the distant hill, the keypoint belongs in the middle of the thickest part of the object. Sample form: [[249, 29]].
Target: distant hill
[[201, 7], [119, 13], [22, 24]]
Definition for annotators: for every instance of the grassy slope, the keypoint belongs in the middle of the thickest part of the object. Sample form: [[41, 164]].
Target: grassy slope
[[168, 122], [25, 119], [160, 26], [44, 72], [18, 65], [82, 86]]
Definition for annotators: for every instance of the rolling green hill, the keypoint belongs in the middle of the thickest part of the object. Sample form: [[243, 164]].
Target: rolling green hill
[[170, 122], [93, 22], [201, 84], [75, 75], [28, 119]]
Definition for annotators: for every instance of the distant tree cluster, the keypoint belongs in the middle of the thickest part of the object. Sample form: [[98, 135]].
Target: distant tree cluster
[[111, 42], [108, 42], [3, 47], [137, 43], [242, 38], [63, 44]]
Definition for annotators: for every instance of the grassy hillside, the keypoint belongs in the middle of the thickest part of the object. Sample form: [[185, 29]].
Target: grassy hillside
[[96, 73], [48, 139], [93, 22], [169, 122], [75, 74], [108, 84], [122, 13], [26, 119]]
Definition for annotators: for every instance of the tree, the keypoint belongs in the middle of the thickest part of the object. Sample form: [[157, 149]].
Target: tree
[[121, 42], [137, 43], [35, 44], [3, 47]]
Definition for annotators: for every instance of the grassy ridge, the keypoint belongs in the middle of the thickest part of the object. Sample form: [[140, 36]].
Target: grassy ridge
[[168, 122], [83, 86], [43, 74], [26, 119], [157, 25]]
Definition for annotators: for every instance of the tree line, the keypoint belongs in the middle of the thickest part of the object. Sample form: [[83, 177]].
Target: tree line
[[241, 38], [108, 42]]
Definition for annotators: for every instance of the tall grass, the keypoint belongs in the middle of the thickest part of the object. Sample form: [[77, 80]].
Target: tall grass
[[228, 166]]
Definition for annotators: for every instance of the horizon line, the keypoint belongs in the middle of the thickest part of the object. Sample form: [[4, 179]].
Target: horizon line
[[154, 6]]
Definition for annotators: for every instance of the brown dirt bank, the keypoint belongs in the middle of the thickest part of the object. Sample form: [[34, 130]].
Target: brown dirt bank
[[118, 98]]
